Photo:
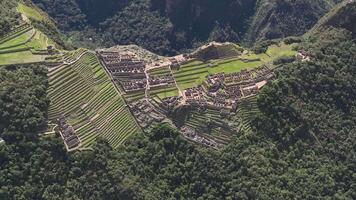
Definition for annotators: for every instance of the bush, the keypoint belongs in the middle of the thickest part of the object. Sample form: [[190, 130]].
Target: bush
[[284, 60]]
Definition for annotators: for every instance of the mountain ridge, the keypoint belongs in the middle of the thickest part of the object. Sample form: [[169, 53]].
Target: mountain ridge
[[178, 26]]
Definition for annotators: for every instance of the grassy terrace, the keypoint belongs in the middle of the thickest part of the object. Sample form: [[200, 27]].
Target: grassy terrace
[[209, 124], [20, 45], [194, 73], [84, 93], [165, 92], [248, 108]]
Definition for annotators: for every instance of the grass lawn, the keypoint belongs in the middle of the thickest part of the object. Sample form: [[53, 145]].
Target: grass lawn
[[273, 52], [18, 40], [165, 92], [195, 72], [30, 12], [233, 66], [20, 57], [194, 76], [168, 93], [282, 50]]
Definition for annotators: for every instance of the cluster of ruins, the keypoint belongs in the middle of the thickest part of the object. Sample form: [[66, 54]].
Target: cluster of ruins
[[126, 69], [160, 80], [220, 91], [145, 113], [68, 135], [224, 91], [134, 84], [191, 134], [170, 102]]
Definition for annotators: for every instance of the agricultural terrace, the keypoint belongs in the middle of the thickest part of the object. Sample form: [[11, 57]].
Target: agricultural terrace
[[162, 83], [209, 124], [194, 73], [245, 113], [24, 44], [85, 95]]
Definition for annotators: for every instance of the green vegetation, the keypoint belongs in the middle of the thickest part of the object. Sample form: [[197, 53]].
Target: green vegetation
[[22, 99], [134, 96], [279, 19], [84, 93], [165, 92], [296, 139], [21, 39], [20, 57], [299, 144], [208, 123], [194, 73], [30, 12], [9, 17], [21, 46], [162, 92], [168, 27]]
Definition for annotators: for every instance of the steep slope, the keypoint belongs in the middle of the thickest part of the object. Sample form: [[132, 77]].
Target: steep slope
[[281, 18], [342, 16], [8, 16], [168, 27]]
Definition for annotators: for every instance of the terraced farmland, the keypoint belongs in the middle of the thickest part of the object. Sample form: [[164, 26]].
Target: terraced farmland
[[210, 124], [162, 92], [248, 108], [193, 74], [83, 92], [24, 44]]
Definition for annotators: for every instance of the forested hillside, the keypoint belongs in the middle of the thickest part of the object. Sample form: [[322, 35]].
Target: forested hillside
[[278, 19], [168, 27], [8, 16], [341, 16]]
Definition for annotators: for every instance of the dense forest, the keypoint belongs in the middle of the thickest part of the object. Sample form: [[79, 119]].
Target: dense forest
[[169, 26], [302, 146], [8, 16]]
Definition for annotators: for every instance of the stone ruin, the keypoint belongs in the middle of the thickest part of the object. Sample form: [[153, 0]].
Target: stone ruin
[[158, 81], [191, 134], [145, 113], [67, 132], [224, 91], [126, 69], [170, 102]]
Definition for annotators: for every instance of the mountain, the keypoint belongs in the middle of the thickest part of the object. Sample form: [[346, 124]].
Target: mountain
[[282, 18], [292, 136], [342, 16], [172, 26]]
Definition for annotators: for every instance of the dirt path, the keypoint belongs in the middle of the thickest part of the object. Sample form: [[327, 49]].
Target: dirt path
[[76, 60], [175, 82], [51, 132]]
